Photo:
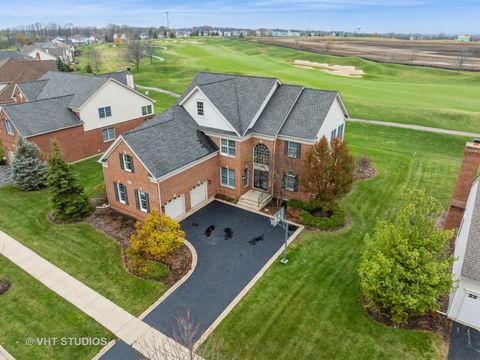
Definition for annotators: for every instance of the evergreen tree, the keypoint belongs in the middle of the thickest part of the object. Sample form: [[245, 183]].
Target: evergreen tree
[[68, 198], [28, 171], [60, 65]]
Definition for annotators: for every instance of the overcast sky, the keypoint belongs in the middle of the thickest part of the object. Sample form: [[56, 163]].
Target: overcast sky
[[426, 16]]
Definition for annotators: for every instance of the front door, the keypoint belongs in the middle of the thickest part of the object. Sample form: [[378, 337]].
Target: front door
[[260, 179]]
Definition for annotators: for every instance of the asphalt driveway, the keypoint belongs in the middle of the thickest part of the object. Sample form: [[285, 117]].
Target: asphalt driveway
[[464, 343], [225, 266]]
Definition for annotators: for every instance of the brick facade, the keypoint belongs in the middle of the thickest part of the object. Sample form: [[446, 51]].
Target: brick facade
[[207, 170], [77, 144], [466, 177]]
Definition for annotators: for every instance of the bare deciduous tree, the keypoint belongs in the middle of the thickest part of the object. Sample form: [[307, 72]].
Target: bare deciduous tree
[[462, 59], [95, 58], [150, 49], [134, 52], [182, 346], [413, 55]]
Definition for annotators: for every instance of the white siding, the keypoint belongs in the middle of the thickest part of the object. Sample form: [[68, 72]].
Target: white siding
[[43, 55], [335, 117], [211, 118], [462, 287], [125, 103]]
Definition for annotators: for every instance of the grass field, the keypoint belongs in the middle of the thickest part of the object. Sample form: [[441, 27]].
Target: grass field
[[31, 310], [398, 93], [83, 252], [312, 307]]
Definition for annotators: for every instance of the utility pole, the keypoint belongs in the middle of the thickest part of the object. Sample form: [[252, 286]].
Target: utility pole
[[168, 22]]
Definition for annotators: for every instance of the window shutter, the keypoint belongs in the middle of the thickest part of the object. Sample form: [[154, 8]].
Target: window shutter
[[137, 199], [132, 162], [126, 195], [115, 188], [148, 202], [285, 147], [122, 165], [299, 150], [295, 188]]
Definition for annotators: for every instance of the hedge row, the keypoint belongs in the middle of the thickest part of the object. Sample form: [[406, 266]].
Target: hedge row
[[337, 219]]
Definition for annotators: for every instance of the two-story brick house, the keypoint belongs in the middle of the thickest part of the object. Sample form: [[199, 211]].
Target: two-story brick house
[[84, 113], [243, 137]]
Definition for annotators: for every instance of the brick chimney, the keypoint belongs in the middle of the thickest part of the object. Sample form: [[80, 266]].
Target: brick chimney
[[466, 177]]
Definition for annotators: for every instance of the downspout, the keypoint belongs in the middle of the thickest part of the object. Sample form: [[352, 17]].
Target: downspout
[[274, 157], [159, 197]]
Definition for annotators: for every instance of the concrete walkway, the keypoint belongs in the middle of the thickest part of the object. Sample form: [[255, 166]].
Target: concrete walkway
[[163, 91], [142, 337], [417, 127]]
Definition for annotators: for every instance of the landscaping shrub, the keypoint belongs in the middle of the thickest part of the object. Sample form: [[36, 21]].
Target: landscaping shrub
[[335, 219], [364, 168], [28, 171], [405, 266], [145, 268], [156, 236], [68, 198]]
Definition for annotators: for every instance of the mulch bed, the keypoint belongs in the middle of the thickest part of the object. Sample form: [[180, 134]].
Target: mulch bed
[[365, 173], [4, 286], [120, 227], [433, 322]]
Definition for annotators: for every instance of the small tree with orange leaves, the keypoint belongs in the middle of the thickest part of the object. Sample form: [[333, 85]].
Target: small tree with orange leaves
[[329, 171], [156, 236]]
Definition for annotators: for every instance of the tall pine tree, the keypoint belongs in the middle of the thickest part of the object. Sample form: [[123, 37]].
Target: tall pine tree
[[68, 198], [28, 171]]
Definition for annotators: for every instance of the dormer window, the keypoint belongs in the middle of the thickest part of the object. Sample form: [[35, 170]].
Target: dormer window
[[200, 108]]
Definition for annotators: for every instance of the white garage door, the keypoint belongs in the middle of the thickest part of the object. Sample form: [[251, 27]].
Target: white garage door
[[176, 207], [198, 194], [470, 311]]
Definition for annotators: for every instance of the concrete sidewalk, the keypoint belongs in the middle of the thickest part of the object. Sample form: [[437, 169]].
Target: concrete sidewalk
[[416, 127], [141, 336]]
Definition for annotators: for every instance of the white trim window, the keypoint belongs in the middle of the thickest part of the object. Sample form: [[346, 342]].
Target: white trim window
[[8, 127], [227, 177], [291, 181], [126, 163], [104, 112], [292, 149], [143, 201], [146, 110], [333, 135], [200, 108], [245, 177], [108, 134], [227, 147], [122, 194]]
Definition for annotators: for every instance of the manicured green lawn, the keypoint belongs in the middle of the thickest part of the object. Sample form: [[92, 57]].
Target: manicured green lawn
[[398, 93], [31, 310], [83, 252], [312, 307]]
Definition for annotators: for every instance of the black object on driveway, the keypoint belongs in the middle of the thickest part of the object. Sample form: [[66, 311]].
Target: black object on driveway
[[464, 343], [223, 269]]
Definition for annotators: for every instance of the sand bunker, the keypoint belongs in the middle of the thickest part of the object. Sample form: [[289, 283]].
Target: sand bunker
[[340, 70]]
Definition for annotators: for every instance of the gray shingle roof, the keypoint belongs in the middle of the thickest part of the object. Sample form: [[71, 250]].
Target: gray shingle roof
[[277, 110], [308, 115], [237, 97], [169, 141], [471, 262], [32, 89], [120, 76], [38, 117], [14, 55]]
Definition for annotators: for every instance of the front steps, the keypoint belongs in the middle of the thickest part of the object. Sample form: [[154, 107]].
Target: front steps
[[254, 200]]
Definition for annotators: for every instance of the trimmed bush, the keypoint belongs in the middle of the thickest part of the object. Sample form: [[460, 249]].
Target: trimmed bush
[[144, 268], [335, 220]]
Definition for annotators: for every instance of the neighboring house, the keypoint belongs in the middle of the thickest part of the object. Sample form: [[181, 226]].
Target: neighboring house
[[463, 38], [13, 71], [84, 113], [464, 214], [5, 55], [50, 50], [243, 137]]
